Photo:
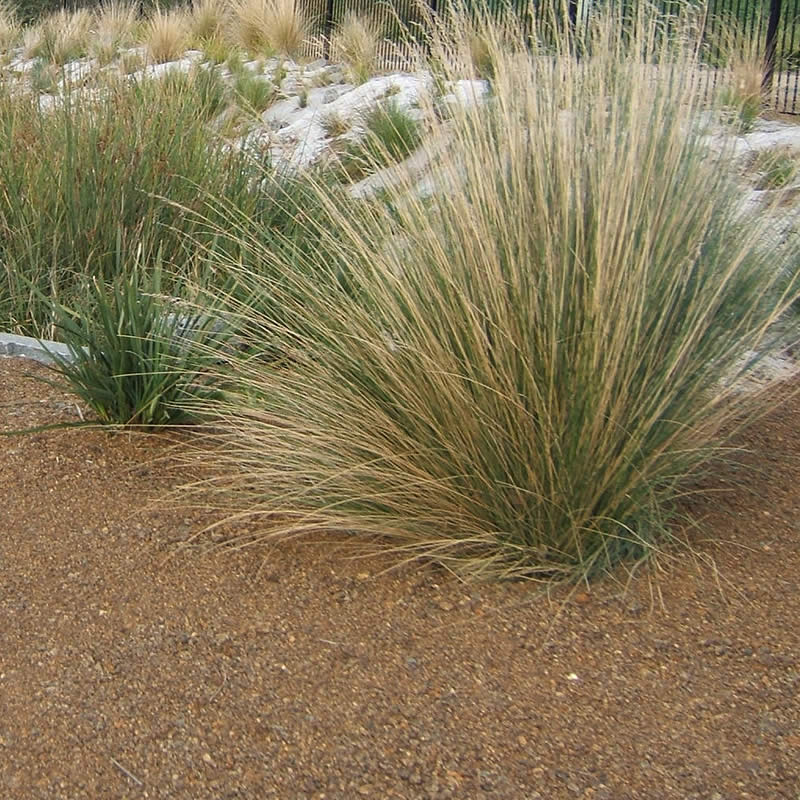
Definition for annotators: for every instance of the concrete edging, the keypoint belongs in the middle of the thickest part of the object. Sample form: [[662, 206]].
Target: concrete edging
[[39, 350]]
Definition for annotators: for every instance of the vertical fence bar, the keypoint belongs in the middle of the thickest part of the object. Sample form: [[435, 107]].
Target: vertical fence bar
[[780, 61], [771, 45], [792, 63], [327, 30]]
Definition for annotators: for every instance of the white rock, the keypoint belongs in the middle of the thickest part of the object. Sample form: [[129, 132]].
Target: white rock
[[23, 65], [77, 71], [469, 92], [160, 70], [255, 66]]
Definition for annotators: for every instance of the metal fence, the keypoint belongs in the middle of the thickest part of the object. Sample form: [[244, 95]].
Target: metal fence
[[766, 34]]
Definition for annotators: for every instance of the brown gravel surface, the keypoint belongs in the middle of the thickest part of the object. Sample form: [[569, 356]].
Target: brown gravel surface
[[298, 672]]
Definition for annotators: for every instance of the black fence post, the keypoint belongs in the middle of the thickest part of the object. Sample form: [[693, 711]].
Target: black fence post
[[771, 45], [572, 16], [327, 30]]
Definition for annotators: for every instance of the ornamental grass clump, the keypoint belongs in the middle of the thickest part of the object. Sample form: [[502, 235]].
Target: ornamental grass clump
[[355, 42], [250, 25], [270, 26], [516, 374], [86, 179], [115, 28], [60, 37], [391, 134], [135, 356], [254, 92], [167, 35], [209, 19], [741, 59], [287, 27]]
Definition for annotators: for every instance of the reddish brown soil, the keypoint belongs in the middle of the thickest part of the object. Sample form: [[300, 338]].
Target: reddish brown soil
[[297, 672]]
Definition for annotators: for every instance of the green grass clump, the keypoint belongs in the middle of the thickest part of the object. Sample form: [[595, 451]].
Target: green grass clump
[[516, 375], [391, 134], [43, 78], [742, 108], [776, 167], [201, 87], [254, 92], [216, 49], [86, 179], [133, 361]]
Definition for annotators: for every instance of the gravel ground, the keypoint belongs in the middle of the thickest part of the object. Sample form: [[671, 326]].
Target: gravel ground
[[132, 667]]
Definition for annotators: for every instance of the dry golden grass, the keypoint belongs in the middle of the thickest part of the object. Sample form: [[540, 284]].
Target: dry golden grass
[[116, 27], [210, 19], [742, 70], [167, 35], [287, 27], [250, 25], [271, 26], [59, 37], [355, 43]]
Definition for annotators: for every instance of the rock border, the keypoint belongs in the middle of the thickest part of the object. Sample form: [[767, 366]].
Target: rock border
[[41, 350]]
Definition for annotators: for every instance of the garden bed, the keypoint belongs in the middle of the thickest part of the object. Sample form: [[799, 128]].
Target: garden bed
[[133, 667]]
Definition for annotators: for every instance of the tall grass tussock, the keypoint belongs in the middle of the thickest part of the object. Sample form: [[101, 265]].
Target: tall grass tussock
[[271, 27], [116, 27], [741, 60], [167, 34], [355, 42], [287, 26], [515, 375], [60, 37], [209, 19]]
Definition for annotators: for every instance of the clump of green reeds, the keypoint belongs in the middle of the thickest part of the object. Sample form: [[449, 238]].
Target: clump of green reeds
[[89, 185], [136, 354], [515, 375], [391, 134]]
